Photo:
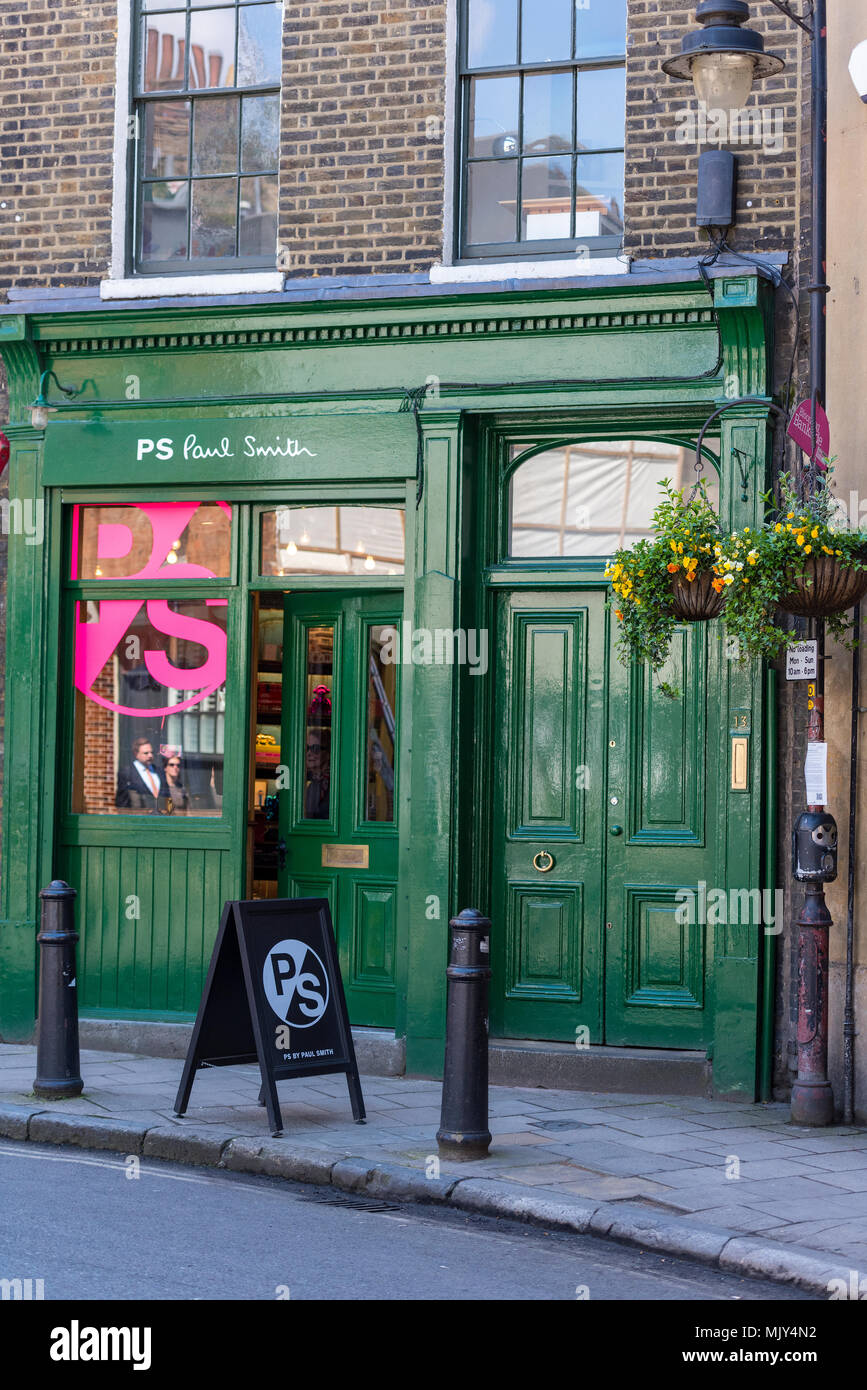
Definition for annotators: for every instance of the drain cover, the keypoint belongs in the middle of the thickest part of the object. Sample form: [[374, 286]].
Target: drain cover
[[350, 1199]]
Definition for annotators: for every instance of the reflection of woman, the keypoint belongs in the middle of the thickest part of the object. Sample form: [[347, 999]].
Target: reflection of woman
[[177, 792]]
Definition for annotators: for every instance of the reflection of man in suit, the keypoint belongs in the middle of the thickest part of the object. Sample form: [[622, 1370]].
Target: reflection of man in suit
[[140, 784]]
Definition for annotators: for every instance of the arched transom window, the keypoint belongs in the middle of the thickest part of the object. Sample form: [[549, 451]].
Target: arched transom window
[[592, 497]]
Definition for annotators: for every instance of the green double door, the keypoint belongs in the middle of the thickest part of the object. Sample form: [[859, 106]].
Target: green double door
[[604, 802], [338, 815]]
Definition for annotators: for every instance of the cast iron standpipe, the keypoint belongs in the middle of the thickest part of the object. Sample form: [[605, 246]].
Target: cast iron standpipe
[[812, 1097], [57, 1061], [463, 1133]]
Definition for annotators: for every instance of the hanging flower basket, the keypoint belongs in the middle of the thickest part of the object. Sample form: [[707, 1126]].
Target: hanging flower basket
[[698, 601], [802, 559], [826, 587], [671, 578]]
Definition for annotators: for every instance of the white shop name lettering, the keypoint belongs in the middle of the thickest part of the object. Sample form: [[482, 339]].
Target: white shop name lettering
[[165, 448]]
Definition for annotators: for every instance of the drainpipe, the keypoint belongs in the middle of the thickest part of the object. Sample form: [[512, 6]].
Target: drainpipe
[[769, 951], [849, 1005]]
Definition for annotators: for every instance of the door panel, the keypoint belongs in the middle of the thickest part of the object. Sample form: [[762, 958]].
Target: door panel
[[338, 813], [657, 980], [548, 815], [602, 793]]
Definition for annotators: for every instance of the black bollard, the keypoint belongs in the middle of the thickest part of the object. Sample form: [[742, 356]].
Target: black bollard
[[57, 1061], [463, 1131]]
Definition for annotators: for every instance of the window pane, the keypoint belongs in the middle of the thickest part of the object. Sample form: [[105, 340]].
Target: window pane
[[317, 750], [590, 498], [494, 115], [215, 136], [164, 221], [599, 195], [492, 38], [492, 196], [260, 124], [214, 217], [258, 212], [601, 108], [212, 49], [167, 139], [332, 540], [381, 705], [600, 28], [152, 540], [546, 35], [548, 113], [139, 666], [260, 45], [161, 61], [546, 198]]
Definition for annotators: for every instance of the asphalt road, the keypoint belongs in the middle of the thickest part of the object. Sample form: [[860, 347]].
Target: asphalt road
[[77, 1220]]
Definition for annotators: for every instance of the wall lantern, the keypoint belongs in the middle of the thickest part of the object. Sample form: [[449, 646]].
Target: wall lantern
[[858, 69], [723, 59], [40, 408]]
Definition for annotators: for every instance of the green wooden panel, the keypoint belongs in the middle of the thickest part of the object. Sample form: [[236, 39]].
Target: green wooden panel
[[147, 921], [544, 933], [373, 935], [662, 784], [669, 743], [548, 854]]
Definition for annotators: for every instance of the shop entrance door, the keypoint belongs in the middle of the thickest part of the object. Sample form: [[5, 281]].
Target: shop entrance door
[[338, 834], [603, 811]]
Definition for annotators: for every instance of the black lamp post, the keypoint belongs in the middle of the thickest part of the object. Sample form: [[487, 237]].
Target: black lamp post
[[723, 59]]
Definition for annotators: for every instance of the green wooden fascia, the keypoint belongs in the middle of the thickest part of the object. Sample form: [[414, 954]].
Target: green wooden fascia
[[261, 357]]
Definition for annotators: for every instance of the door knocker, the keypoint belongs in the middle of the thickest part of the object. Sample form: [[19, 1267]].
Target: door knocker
[[543, 861]]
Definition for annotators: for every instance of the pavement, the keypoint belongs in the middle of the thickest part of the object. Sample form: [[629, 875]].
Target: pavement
[[735, 1186]]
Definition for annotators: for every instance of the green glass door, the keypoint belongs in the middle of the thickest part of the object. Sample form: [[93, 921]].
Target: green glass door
[[604, 797], [338, 817]]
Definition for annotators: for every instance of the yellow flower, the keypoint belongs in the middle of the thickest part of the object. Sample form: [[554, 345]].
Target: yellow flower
[[790, 515], [826, 551], [753, 557], [800, 540], [729, 579], [808, 549], [814, 533], [673, 545]]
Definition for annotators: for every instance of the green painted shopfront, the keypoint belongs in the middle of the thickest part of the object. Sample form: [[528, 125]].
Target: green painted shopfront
[[317, 607]]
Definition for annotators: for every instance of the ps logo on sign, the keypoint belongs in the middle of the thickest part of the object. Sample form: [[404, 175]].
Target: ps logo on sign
[[296, 983]]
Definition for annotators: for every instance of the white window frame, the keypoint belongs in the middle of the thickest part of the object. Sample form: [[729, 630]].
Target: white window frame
[[120, 284]]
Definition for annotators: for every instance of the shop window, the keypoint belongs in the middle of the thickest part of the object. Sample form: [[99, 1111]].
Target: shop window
[[153, 540], [206, 113], [332, 540], [149, 707], [592, 498], [543, 115]]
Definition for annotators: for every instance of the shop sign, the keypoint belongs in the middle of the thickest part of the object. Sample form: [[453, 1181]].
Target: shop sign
[[274, 995]]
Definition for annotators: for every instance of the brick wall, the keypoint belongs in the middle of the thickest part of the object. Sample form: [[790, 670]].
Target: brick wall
[[361, 175], [661, 170], [56, 136], [361, 169]]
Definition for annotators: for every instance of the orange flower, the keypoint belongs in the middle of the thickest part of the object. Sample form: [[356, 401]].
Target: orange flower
[[718, 585], [618, 615], [672, 569], [691, 576]]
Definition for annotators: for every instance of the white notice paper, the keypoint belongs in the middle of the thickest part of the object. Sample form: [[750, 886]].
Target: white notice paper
[[802, 661], [816, 774]]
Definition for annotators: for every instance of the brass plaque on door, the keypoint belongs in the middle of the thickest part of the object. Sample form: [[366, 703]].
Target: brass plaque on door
[[346, 856]]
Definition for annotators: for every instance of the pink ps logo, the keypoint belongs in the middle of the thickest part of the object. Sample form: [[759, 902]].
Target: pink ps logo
[[95, 642]]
